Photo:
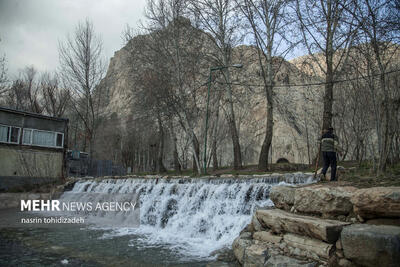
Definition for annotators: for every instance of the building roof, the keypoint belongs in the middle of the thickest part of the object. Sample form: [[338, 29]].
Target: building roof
[[36, 115]]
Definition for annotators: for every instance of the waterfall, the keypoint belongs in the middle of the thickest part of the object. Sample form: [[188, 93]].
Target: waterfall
[[193, 216]]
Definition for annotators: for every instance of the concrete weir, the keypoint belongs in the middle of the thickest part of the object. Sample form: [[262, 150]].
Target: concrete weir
[[201, 215]]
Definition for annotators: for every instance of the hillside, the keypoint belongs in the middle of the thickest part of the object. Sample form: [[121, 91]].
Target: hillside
[[297, 109], [291, 124]]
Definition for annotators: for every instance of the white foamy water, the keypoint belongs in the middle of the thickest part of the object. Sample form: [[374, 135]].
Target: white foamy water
[[192, 216]]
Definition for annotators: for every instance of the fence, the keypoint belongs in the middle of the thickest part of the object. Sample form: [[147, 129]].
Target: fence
[[80, 165]]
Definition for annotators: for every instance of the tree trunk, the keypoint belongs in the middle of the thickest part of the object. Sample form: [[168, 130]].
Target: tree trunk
[[215, 134], [328, 101], [160, 155], [196, 157], [308, 143], [177, 165], [329, 51], [268, 86], [214, 155], [237, 154], [263, 159], [387, 109]]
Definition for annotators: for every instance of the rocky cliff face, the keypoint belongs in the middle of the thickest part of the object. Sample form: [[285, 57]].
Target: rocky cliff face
[[118, 84], [292, 128]]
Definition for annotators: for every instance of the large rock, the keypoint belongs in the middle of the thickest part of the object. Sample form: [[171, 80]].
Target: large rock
[[377, 202], [310, 246], [239, 247], [224, 254], [371, 245], [258, 255], [384, 221], [256, 224], [267, 237], [327, 201], [284, 261], [282, 196], [255, 255], [281, 222]]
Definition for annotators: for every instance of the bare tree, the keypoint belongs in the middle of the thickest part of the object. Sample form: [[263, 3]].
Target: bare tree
[[3, 75], [15, 97], [155, 88], [322, 25], [55, 98], [171, 48], [377, 42], [269, 31], [219, 19], [82, 69], [24, 93]]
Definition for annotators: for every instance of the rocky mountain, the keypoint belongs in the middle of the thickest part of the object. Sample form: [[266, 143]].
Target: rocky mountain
[[295, 131]]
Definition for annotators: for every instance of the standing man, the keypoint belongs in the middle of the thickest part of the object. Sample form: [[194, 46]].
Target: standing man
[[329, 147]]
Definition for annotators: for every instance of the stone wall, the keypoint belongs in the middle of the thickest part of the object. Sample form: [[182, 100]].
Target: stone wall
[[323, 225]]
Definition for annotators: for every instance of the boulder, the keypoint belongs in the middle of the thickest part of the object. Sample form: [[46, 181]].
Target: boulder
[[239, 246], [282, 196], [327, 201], [284, 222], [281, 261], [339, 244], [372, 245], [249, 228], [224, 254], [255, 255], [245, 234], [345, 263], [377, 202], [221, 264], [256, 224], [384, 221], [225, 257], [310, 246], [267, 237], [339, 253]]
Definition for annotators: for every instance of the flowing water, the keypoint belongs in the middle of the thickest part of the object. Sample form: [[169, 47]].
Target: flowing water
[[181, 220]]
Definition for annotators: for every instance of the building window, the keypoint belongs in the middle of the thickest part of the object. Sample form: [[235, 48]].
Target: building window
[[27, 137], [4, 133], [43, 138], [40, 138], [59, 140], [9, 134]]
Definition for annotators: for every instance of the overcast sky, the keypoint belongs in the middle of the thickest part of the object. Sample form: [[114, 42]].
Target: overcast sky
[[30, 29]]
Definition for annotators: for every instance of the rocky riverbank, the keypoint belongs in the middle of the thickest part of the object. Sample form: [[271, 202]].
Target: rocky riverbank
[[324, 225]]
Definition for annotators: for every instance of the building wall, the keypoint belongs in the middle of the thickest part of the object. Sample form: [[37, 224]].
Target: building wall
[[27, 121], [30, 162], [24, 164], [23, 168]]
